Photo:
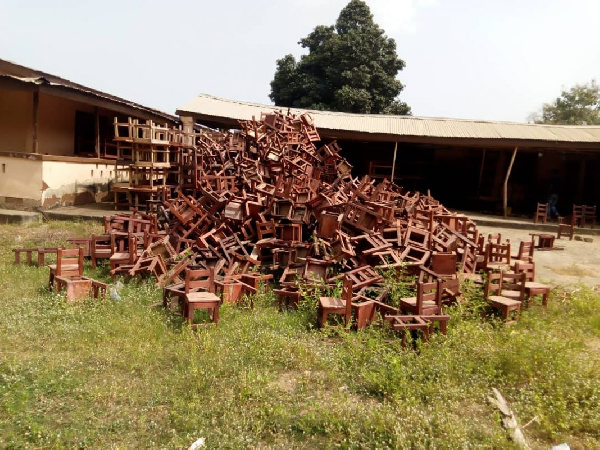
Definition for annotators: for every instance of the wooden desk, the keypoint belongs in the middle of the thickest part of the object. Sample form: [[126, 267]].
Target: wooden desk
[[545, 241], [79, 288], [41, 254], [86, 243]]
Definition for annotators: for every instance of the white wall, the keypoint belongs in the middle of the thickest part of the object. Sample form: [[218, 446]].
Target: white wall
[[20, 178], [69, 183]]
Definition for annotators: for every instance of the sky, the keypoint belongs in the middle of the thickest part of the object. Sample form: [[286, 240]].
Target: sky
[[470, 59]]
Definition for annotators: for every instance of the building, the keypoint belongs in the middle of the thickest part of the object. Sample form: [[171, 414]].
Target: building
[[467, 164], [56, 138]]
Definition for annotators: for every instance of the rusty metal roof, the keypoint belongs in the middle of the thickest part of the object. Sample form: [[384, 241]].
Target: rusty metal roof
[[207, 106]]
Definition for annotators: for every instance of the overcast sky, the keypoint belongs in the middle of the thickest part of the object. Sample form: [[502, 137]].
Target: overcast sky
[[473, 59]]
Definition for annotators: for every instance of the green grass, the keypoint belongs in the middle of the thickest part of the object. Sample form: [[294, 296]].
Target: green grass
[[122, 374]]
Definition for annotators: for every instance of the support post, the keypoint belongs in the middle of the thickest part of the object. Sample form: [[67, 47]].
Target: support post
[[581, 181], [36, 120], [481, 167], [188, 124], [394, 161], [97, 132], [505, 190]]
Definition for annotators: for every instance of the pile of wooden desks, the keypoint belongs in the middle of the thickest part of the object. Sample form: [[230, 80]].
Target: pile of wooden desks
[[269, 199], [148, 161]]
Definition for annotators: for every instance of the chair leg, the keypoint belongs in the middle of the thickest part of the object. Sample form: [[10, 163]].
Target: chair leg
[[322, 315], [189, 313], [545, 299], [505, 313]]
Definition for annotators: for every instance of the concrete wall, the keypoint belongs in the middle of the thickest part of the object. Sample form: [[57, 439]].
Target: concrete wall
[[16, 121], [20, 182], [57, 124], [75, 183], [56, 129]]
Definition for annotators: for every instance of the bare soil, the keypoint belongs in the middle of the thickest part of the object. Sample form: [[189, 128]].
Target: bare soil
[[577, 263]]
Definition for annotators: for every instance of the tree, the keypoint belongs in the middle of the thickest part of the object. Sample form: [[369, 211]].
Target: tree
[[350, 67], [580, 105]]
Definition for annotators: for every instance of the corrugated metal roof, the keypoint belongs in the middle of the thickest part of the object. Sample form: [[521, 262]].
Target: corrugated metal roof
[[210, 106]]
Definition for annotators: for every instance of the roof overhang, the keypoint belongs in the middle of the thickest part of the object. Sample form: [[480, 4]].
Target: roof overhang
[[15, 76], [223, 113]]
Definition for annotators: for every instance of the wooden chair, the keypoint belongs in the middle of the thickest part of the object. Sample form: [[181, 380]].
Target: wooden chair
[[81, 242], [541, 213], [139, 225], [199, 293], [100, 248], [577, 218], [566, 226], [589, 216], [450, 291], [525, 252], [407, 324], [232, 289], [341, 306], [69, 263], [468, 265], [444, 263], [126, 250], [428, 299], [513, 286], [532, 287], [497, 256], [493, 288], [288, 296], [495, 238]]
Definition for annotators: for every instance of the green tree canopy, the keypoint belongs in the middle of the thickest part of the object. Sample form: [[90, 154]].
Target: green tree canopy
[[350, 67], [579, 105]]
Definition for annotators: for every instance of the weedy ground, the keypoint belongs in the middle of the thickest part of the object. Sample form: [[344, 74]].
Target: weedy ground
[[121, 373]]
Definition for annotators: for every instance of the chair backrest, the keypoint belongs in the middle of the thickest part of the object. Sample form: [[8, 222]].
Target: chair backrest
[[481, 244], [468, 263], [450, 290], [514, 282], [525, 251], [137, 244], [117, 222], [444, 263], [199, 279], [589, 215], [417, 237], [497, 253], [69, 262], [119, 242], [527, 268], [265, 230], [577, 217], [541, 212], [426, 292], [495, 238], [493, 284], [100, 241], [139, 225]]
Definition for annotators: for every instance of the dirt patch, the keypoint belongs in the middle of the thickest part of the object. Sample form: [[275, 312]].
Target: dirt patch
[[286, 382], [572, 270]]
